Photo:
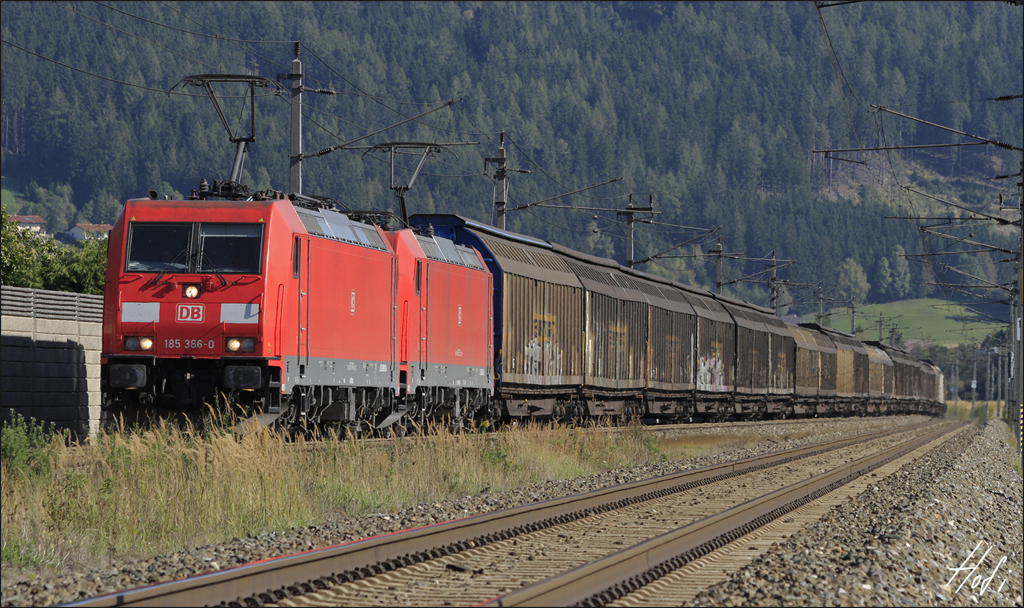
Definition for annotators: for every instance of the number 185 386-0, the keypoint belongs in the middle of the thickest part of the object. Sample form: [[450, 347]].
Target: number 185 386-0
[[176, 344]]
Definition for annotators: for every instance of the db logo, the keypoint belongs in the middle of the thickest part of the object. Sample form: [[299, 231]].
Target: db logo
[[190, 313]]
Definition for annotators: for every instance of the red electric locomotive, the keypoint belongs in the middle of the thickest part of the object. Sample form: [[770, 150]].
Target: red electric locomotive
[[293, 309]]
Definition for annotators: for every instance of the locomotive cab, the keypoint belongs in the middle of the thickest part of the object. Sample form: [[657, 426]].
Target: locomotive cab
[[185, 305]]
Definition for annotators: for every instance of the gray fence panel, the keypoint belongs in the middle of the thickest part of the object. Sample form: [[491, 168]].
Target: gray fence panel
[[44, 304]]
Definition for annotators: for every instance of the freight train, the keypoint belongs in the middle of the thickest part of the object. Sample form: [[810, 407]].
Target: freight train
[[287, 305]]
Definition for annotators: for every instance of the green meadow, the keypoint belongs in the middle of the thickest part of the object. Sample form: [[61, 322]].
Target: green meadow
[[937, 321]]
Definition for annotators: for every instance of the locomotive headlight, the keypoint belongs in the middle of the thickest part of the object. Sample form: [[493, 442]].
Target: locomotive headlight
[[138, 343], [191, 291], [246, 345]]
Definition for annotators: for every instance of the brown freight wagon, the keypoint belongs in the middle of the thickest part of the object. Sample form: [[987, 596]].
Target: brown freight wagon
[[781, 362], [851, 371], [936, 395], [616, 325], [579, 336], [906, 378], [764, 359], [751, 356], [715, 354], [880, 378], [815, 375], [540, 359], [672, 338]]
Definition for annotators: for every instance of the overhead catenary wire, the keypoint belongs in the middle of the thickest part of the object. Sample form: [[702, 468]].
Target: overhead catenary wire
[[236, 42], [376, 98], [214, 35], [945, 286], [342, 139], [559, 226], [146, 40], [270, 61], [114, 80], [232, 41], [383, 160], [545, 172], [480, 132], [834, 62], [178, 29], [943, 103], [242, 48]]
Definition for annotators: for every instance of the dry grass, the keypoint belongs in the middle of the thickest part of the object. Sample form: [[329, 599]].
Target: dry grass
[[686, 447], [979, 413], [130, 494]]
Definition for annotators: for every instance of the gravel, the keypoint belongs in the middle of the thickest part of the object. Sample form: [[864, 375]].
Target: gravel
[[900, 542], [78, 583]]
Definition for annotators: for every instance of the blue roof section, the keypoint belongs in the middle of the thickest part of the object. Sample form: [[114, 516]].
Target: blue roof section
[[446, 224], [453, 221]]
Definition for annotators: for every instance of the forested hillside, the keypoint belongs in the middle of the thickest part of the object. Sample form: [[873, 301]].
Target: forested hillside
[[711, 108]]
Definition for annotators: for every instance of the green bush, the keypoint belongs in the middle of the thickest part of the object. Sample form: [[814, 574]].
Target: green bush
[[20, 553], [26, 446], [497, 457]]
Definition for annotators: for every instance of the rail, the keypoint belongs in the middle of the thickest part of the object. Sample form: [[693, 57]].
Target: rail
[[274, 579], [607, 579]]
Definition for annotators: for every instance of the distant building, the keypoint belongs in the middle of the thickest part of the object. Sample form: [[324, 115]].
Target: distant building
[[83, 232], [32, 223]]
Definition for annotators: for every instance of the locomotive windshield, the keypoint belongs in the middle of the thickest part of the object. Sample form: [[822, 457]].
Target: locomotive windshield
[[232, 248], [194, 248]]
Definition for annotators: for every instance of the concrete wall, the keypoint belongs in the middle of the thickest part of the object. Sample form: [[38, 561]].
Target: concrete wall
[[50, 370]]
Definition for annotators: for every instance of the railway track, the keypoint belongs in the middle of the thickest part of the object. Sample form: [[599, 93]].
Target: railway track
[[77, 460], [604, 546]]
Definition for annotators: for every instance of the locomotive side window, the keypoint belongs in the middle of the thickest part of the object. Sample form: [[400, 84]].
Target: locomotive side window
[[296, 258], [194, 248], [159, 248], [419, 272], [231, 248]]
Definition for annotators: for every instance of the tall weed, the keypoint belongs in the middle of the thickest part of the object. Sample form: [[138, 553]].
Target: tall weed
[[132, 493], [27, 447]]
